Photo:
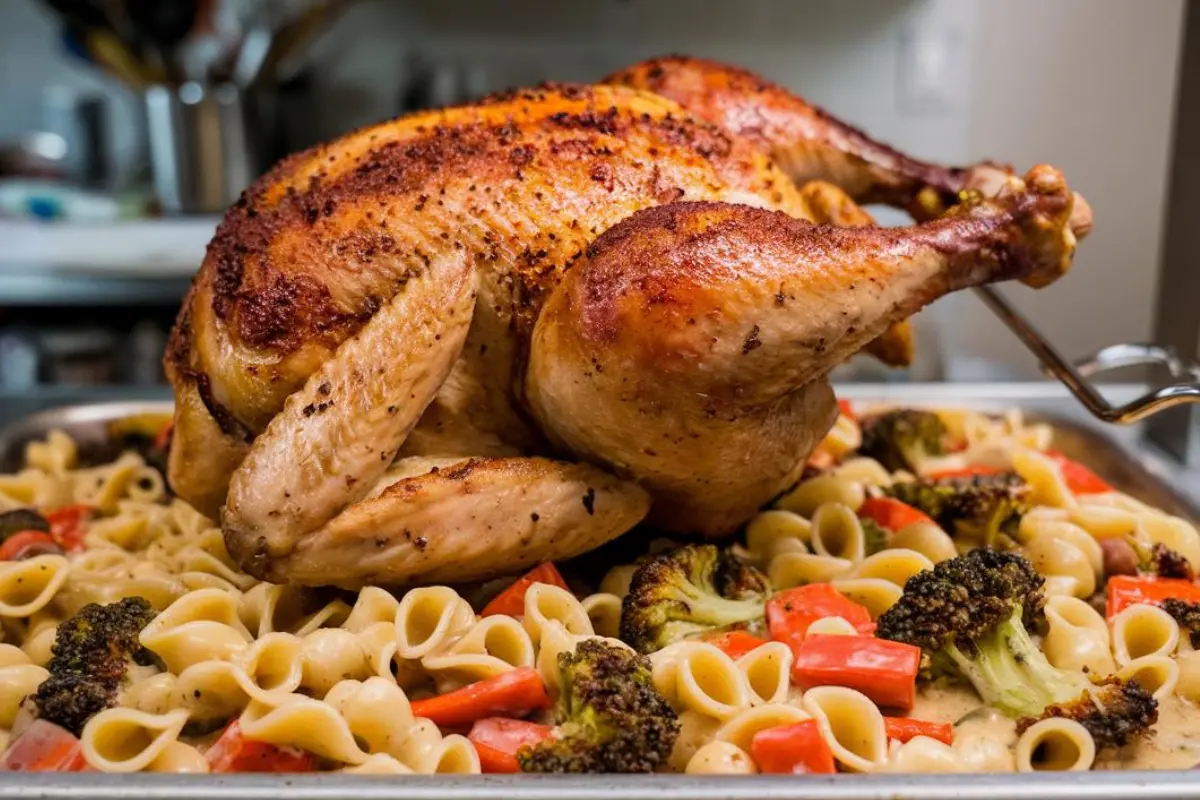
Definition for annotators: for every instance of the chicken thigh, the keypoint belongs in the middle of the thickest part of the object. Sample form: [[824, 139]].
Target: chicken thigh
[[461, 342]]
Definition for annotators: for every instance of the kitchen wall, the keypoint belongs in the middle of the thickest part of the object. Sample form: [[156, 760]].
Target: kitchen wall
[[1085, 84], [1089, 86]]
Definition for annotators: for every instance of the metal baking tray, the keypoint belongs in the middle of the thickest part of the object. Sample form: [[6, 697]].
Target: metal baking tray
[[1116, 453]]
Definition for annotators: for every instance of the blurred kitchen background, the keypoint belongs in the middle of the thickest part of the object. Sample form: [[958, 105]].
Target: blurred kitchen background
[[126, 126]]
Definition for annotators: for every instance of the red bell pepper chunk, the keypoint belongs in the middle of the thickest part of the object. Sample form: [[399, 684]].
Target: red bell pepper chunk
[[1079, 479], [1127, 590], [790, 612], [495, 762], [162, 442], [906, 728], [233, 752], [964, 472], [890, 513], [794, 749], [883, 670], [67, 526], [27, 544], [512, 600], [497, 740], [44, 747], [735, 644], [511, 694], [847, 410]]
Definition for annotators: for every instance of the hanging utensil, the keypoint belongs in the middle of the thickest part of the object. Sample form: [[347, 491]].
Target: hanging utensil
[[101, 48], [294, 38], [162, 25]]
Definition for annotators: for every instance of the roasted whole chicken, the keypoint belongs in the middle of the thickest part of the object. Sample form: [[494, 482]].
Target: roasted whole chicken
[[461, 342]]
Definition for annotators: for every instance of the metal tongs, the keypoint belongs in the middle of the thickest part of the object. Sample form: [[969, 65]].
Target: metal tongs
[[1186, 374]]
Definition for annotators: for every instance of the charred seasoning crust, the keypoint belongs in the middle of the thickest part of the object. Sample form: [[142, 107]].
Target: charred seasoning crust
[[276, 306], [751, 106]]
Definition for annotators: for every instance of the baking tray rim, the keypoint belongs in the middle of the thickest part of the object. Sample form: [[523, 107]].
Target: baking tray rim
[[1102, 785]]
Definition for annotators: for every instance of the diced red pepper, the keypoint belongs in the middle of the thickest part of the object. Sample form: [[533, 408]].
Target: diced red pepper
[[735, 644], [847, 410], [511, 694], [794, 749], [67, 526], [497, 740], [890, 513], [27, 544], [1127, 590], [883, 670], [44, 747], [820, 459], [495, 762], [233, 752], [512, 600], [1079, 479], [964, 472], [906, 728], [790, 612], [162, 442]]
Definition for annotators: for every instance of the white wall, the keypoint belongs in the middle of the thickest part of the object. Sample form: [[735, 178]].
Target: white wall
[[1087, 85]]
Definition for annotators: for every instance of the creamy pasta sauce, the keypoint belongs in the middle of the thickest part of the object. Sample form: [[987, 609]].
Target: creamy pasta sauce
[[329, 681]]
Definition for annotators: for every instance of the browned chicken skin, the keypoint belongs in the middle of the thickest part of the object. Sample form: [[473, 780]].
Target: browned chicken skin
[[351, 365], [804, 140]]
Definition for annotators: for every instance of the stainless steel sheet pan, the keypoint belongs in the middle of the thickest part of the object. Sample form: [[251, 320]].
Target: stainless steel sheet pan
[[1116, 453]]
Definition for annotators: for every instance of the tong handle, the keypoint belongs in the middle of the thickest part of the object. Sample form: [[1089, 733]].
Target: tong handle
[[1186, 389]]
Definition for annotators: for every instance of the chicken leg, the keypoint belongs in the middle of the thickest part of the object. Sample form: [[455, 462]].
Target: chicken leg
[[690, 351]]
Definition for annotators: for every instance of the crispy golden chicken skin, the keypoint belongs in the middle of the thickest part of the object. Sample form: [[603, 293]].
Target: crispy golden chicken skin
[[411, 292]]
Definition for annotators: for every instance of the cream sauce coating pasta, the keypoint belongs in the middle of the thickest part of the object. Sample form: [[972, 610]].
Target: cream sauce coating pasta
[[337, 675]]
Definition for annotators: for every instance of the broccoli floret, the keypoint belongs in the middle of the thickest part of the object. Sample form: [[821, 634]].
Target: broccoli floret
[[739, 580], [1161, 560], [675, 595], [609, 716], [903, 438], [875, 536], [1187, 615], [982, 509], [971, 616], [1114, 711], [91, 654]]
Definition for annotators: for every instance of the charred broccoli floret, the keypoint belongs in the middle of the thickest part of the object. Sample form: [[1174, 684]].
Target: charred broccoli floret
[[91, 653], [1160, 560], [737, 579], [983, 509], [686, 591], [903, 438], [969, 615], [875, 536], [1187, 615], [610, 717], [1114, 711]]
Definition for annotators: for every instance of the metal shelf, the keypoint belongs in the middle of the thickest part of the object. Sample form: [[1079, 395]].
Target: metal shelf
[[37, 286], [125, 262]]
